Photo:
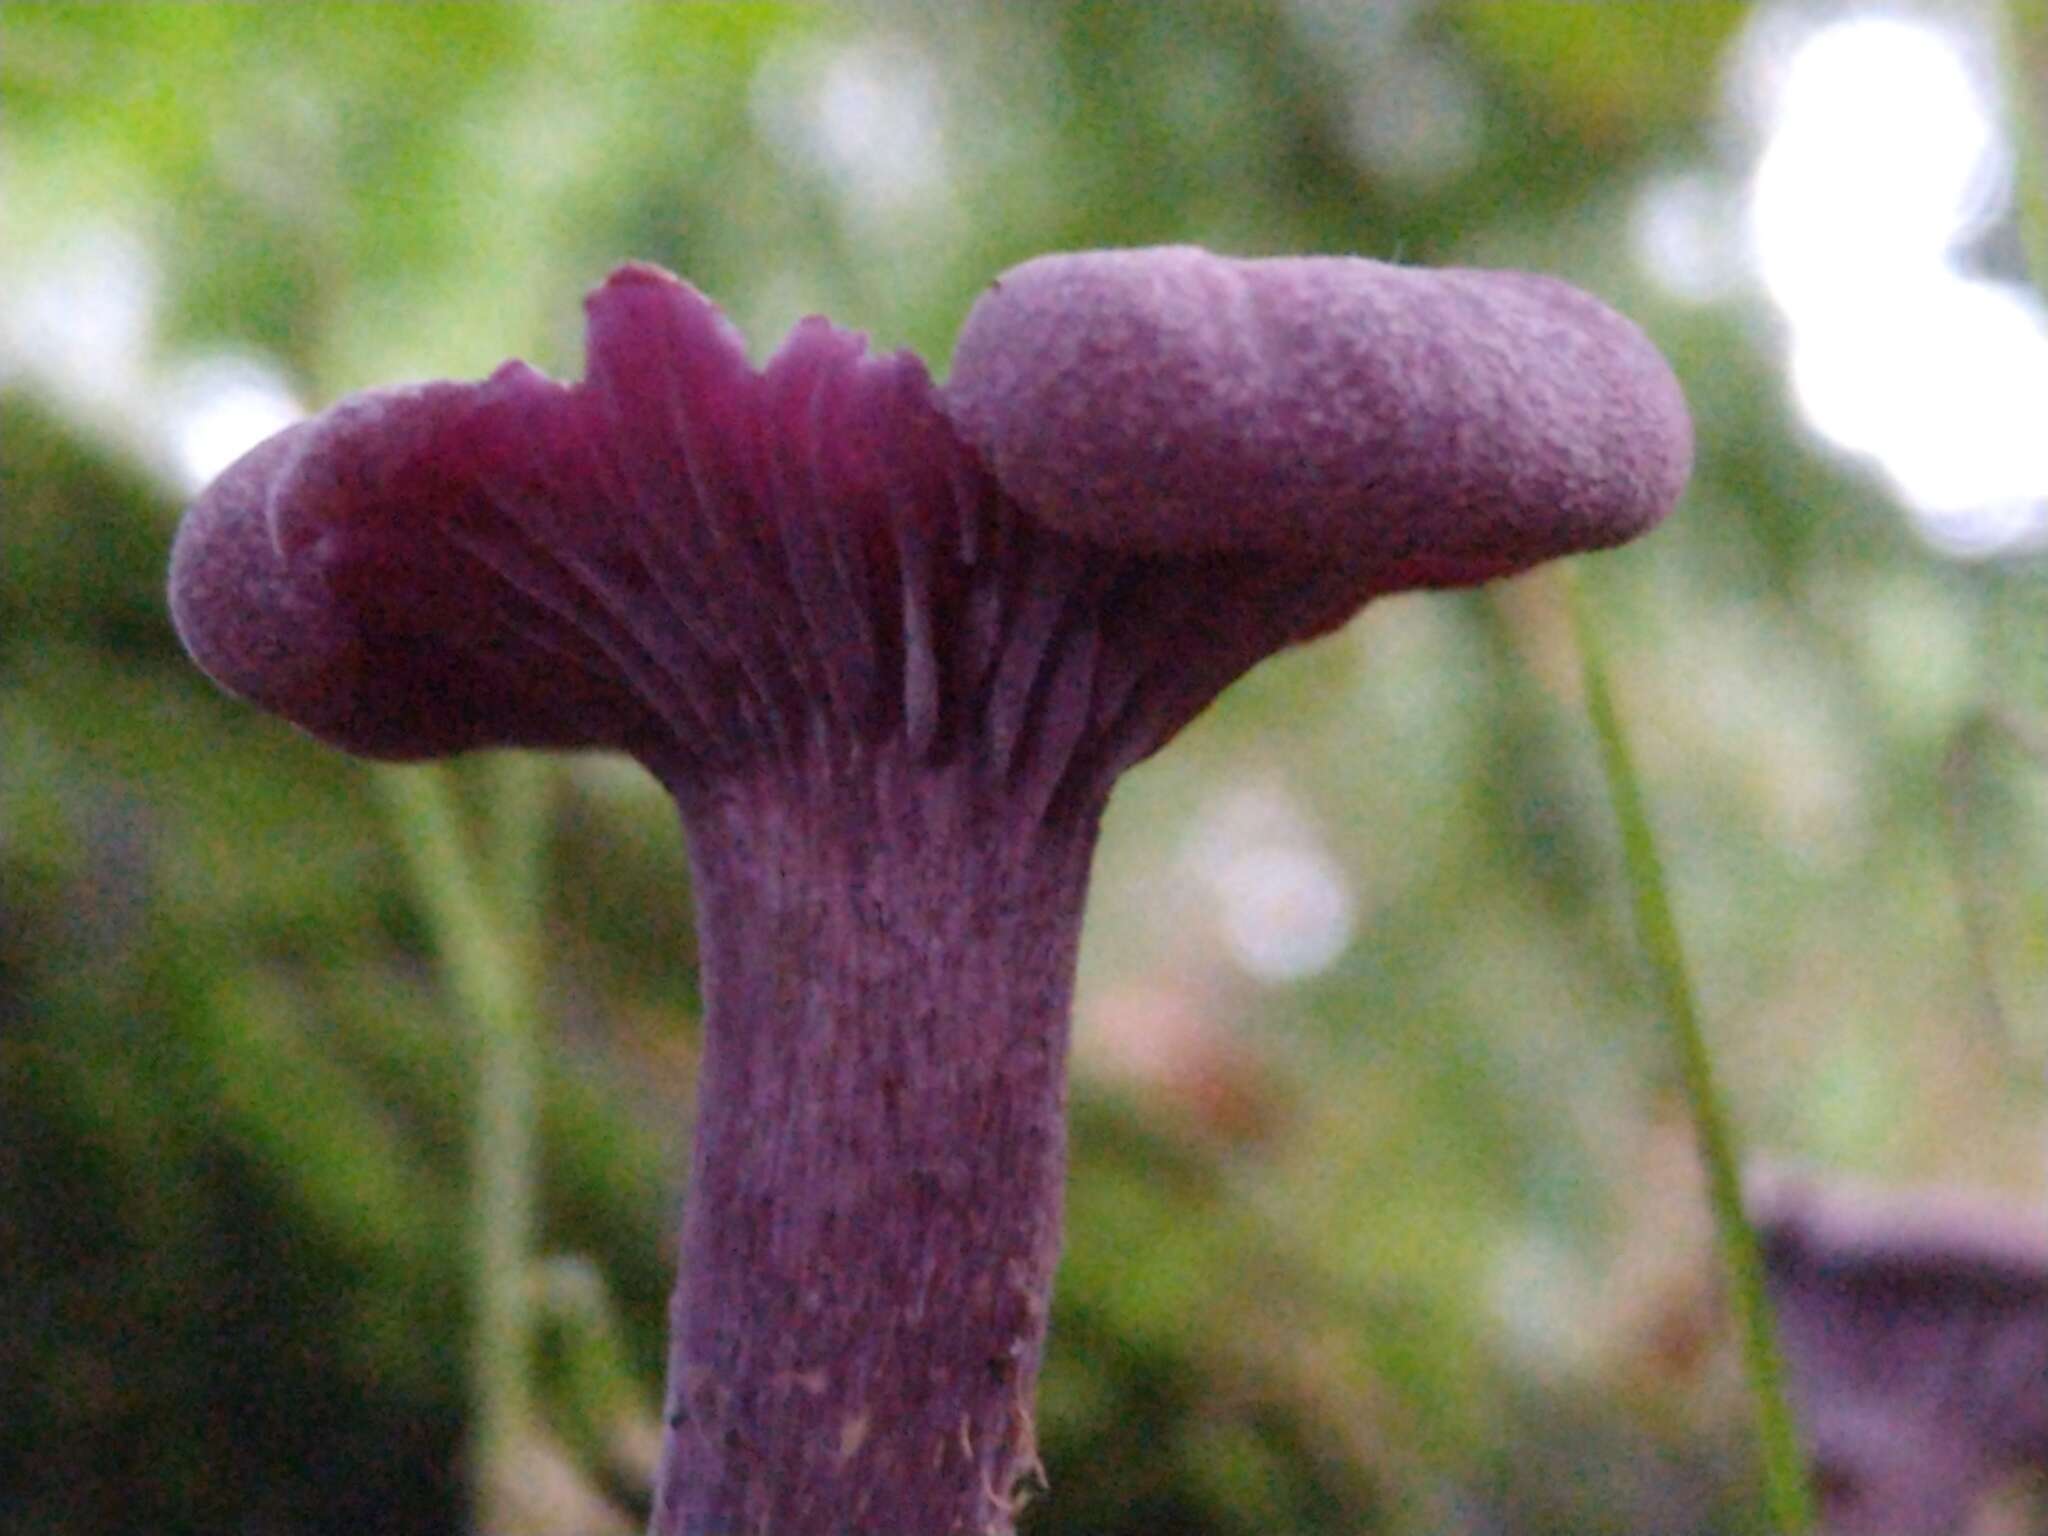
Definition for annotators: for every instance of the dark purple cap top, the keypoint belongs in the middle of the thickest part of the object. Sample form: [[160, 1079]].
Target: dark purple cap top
[[1150, 468], [1433, 428]]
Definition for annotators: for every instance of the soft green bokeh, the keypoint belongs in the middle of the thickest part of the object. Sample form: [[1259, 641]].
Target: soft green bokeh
[[1412, 1244]]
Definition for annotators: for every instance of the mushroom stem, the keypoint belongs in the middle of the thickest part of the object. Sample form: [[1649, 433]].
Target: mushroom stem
[[874, 1212]]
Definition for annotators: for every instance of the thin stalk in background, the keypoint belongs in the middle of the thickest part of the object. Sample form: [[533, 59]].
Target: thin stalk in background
[[482, 915], [2023, 52], [1788, 1497]]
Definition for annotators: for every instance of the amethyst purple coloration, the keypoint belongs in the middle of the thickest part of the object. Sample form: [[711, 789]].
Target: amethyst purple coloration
[[889, 646], [1915, 1331]]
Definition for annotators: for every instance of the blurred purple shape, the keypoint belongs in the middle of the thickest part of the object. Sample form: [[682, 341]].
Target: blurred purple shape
[[1915, 1331], [889, 649]]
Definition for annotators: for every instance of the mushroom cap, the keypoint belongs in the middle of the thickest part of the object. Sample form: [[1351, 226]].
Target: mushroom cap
[[1427, 428], [322, 577], [358, 574], [1950, 1245], [1151, 470], [620, 562], [1915, 1331]]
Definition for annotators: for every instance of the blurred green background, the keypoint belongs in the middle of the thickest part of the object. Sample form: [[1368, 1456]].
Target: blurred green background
[[1384, 1214]]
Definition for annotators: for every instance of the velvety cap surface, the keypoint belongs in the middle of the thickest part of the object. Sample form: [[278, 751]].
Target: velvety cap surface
[[1438, 426]]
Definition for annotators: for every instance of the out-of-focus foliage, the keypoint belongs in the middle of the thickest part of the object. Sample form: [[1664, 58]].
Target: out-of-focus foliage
[[1410, 1244]]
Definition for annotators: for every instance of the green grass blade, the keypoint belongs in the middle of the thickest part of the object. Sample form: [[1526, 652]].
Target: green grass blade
[[2023, 54], [1787, 1494], [482, 916]]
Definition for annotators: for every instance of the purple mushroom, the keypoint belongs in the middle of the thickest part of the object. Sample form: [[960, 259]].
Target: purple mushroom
[[1915, 1329], [889, 646]]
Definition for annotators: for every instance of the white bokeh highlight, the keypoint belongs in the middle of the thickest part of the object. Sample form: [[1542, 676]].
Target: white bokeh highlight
[[217, 408], [1678, 229], [79, 324], [869, 119], [1283, 906], [77, 317], [1882, 159]]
